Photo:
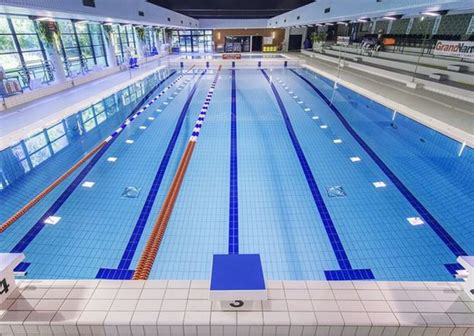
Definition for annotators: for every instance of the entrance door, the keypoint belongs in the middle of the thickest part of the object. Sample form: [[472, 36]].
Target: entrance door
[[295, 42], [257, 43]]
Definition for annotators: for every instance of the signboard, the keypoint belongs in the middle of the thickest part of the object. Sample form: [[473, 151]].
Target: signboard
[[462, 49], [267, 40], [231, 56], [343, 40]]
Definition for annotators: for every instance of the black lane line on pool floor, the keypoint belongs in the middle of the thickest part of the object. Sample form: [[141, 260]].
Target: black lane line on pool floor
[[233, 190], [346, 272], [39, 225], [123, 272], [450, 242]]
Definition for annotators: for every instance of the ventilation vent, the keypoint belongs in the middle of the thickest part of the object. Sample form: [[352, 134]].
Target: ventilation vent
[[88, 3], [141, 13]]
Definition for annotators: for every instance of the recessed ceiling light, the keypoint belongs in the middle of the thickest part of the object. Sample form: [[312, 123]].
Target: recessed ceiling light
[[151, 118], [52, 220], [415, 221], [315, 118], [88, 184], [324, 126], [337, 141], [129, 141], [112, 159], [355, 159], [142, 127]]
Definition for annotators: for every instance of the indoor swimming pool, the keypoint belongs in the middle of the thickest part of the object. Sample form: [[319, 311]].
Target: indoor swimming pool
[[324, 184]]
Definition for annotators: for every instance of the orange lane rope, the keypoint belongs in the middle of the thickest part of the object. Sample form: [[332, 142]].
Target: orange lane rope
[[5, 225], [147, 259], [46, 191]]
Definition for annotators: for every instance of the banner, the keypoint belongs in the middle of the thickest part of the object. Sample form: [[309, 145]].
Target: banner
[[343, 40], [462, 49]]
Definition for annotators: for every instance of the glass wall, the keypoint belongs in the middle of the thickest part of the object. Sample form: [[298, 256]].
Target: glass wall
[[124, 38], [82, 45], [193, 40], [21, 52]]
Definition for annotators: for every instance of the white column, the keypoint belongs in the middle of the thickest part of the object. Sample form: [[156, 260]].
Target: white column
[[55, 58]]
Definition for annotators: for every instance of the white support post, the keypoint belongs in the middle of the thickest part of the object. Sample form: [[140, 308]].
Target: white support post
[[467, 274]]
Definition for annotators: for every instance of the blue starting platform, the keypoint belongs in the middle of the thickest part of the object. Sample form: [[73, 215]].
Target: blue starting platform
[[237, 277]]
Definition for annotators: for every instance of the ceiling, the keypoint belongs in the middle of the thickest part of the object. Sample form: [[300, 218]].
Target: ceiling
[[234, 9]]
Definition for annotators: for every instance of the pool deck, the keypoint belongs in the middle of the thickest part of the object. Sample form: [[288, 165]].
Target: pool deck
[[160, 307], [450, 116]]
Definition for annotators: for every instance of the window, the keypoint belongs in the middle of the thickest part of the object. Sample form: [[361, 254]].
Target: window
[[88, 3], [83, 45], [21, 52], [193, 40], [124, 41]]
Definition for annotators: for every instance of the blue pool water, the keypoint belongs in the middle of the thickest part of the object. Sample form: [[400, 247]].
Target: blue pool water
[[271, 155]]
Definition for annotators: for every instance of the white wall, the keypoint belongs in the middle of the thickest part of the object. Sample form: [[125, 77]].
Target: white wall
[[117, 10], [353, 9], [232, 23]]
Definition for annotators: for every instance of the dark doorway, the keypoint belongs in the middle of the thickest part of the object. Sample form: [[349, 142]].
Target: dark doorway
[[295, 42], [257, 43]]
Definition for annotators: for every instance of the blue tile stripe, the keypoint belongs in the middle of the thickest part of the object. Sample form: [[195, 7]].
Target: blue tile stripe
[[39, 225], [336, 244], [233, 191], [449, 241], [123, 272]]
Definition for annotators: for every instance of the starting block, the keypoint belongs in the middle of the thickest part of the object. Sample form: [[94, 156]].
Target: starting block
[[8, 262], [237, 281], [467, 274]]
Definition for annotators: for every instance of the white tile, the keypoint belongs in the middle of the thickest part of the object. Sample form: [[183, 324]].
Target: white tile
[[321, 294], [173, 305], [376, 306], [152, 294], [198, 305], [343, 294], [250, 318], [302, 318], [350, 305], [148, 305], [329, 318], [52, 220], [415, 220], [274, 305], [73, 305], [118, 318], [92, 318], [49, 304], [356, 319], [370, 294], [299, 305], [24, 304], [325, 306], [171, 318], [383, 319], [99, 305], [88, 184], [123, 305], [437, 319], [144, 318], [104, 293], [125, 293], [296, 294], [40, 317], [174, 294], [276, 318], [223, 318], [379, 184]]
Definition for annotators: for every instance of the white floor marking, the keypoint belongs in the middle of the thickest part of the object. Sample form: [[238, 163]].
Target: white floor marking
[[379, 184], [415, 221], [52, 220]]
